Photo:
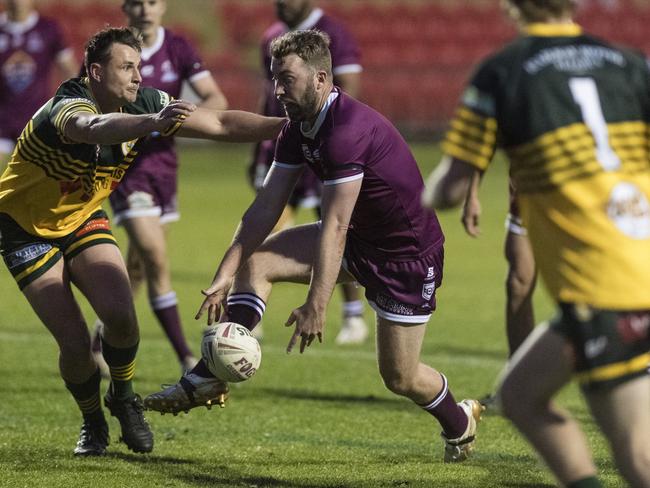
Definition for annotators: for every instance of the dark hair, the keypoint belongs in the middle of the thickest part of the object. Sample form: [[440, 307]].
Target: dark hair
[[98, 48], [312, 46], [541, 10]]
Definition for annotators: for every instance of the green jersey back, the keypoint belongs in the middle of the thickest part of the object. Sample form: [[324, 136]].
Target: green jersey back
[[53, 184], [572, 113]]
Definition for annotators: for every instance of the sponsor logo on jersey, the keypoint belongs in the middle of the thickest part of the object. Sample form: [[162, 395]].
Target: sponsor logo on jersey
[[595, 347], [127, 146], [629, 209], [26, 254], [92, 225], [633, 327]]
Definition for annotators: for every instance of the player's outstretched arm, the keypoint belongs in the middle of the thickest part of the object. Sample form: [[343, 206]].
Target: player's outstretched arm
[[337, 205], [230, 126], [256, 224], [115, 128]]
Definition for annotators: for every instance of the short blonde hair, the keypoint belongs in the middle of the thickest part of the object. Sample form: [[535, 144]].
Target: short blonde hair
[[312, 46], [542, 10]]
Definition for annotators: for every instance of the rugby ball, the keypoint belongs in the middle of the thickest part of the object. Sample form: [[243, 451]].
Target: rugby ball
[[230, 351]]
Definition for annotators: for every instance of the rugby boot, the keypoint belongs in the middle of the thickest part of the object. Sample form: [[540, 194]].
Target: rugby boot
[[136, 433], [353, 331], [191, 391], [93, 439], [459, 449]]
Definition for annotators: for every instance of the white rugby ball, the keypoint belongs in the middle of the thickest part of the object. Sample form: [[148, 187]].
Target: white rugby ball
[[230, 351]]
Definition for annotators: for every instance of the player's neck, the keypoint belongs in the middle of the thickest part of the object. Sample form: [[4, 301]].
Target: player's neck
[[309, 123], [150, 36]]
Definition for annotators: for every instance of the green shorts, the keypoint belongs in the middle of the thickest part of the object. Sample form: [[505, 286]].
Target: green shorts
[[611, 347], [28, 256]]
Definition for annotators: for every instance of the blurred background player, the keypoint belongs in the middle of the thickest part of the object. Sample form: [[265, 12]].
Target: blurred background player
[[576, 135], [146, 200], [346, 66], [29, 46]]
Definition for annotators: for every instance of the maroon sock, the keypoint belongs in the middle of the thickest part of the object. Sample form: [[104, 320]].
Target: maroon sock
[[166, 310], [443, 407], [246, 309]]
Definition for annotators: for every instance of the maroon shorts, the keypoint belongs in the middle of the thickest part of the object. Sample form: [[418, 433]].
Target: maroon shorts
[[400, 290], [149, 189]]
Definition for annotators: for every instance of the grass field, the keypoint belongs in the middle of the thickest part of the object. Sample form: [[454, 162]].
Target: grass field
[[322, 419]]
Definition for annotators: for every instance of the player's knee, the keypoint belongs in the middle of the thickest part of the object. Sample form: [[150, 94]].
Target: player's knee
[[120, 321], [75, 346], [397, 383]]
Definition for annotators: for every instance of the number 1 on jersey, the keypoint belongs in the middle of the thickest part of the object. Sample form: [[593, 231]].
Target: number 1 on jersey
[[585, 94]]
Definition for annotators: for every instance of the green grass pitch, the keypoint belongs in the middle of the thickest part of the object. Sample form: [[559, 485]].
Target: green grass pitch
[[321, 419]]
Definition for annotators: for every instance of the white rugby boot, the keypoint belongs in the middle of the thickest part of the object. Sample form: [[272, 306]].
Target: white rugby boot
[[353, 331], [191, 391], [459, 449]]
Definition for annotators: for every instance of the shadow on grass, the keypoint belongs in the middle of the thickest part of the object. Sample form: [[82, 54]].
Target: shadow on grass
[[331, 397]]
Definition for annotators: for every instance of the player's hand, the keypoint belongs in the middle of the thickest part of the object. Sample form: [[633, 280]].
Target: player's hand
[[175, 111], [308, 323], [215, 296], [471, 216]]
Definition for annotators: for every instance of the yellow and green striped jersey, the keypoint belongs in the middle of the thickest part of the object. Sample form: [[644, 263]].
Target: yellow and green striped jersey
[[51, 184], [572, 113]]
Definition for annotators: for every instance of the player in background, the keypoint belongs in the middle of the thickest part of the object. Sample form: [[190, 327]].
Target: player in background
[[572, 113], [29, 46], [146, 200], [346, 67], [69, 158], [374, 229]]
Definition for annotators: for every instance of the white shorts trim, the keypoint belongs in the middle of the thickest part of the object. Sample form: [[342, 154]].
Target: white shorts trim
[[170, 217], [7, 146], [118, 218], [287, 166], [393, 317], [343, 180], [515, 226]]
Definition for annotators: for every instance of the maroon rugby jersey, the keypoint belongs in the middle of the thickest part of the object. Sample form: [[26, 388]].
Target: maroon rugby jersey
[[350, 140], [27, 52]]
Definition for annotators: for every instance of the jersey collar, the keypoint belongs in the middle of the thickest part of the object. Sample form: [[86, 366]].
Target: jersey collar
[[553, 30], [147, 52], [311, 20], [311, 133]]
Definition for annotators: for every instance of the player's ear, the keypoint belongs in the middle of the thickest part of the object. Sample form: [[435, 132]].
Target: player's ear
[[95, 72], [321, 77]]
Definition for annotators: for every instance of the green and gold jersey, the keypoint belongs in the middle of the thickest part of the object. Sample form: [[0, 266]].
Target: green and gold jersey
[[52, 184], [572, 113]]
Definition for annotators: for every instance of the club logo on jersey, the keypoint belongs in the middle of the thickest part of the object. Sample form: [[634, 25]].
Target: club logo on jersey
[[19, 71], [629, 209], [168, 73], [127, 147]]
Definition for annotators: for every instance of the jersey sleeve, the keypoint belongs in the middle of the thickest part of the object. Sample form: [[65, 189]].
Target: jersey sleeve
[[63, 110], [346, 55], [347, 151], [288, 152], [472, 136], [151, 101], [192, 67]]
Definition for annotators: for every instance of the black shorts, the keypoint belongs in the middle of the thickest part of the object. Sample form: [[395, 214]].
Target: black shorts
[[611, 347], [28, 256]]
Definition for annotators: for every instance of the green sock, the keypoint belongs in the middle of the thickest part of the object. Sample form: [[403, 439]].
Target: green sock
[[86, 395], [121, 362], [590, 482]]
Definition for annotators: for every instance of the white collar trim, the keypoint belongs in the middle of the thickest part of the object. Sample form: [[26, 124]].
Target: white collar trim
[[147, 52], [18, 27], [311, 19], [311, 133]]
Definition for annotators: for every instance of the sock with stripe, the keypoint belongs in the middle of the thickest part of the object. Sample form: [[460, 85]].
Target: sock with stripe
[[246, 309], [86, 395], [121, 363], [444, 408], [165, 307], [352, 309]]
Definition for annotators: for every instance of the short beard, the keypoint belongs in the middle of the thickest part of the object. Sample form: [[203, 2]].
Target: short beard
[[306, 107]]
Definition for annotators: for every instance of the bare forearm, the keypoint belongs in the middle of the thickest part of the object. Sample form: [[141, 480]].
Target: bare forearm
[[113, 128], [231, 126], [327, 264]]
